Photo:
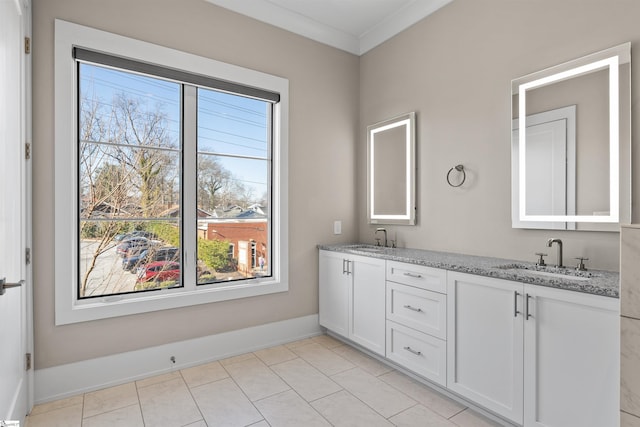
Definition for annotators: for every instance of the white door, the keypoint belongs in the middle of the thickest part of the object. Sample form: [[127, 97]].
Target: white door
[[15, 323], [367, 321], [335, 285], [571, 361], [485, 342]]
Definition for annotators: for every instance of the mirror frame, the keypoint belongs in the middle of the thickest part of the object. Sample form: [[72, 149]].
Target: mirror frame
[[609, 58], [408, 215]]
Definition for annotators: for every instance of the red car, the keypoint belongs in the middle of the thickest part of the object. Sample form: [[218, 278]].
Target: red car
[[159, 271]]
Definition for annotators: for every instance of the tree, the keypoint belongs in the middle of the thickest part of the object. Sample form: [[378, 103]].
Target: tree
[[212, 179], [141, 135], [243, 195]]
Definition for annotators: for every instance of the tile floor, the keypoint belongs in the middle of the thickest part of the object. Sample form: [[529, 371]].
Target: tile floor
[[313, 382]]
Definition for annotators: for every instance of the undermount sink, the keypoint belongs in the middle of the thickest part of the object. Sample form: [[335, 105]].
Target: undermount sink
[[367, 248], [564, 274], [374, 249]]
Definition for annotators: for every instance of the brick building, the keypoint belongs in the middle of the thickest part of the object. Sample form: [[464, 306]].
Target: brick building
[[247, 233]]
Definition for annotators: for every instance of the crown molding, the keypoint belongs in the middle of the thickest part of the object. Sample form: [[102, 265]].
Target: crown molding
[[270, 13]]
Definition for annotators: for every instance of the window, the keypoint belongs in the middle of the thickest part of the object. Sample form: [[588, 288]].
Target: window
[[129, 180], [173, 162]]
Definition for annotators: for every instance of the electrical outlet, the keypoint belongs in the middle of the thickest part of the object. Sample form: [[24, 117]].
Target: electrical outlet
[[337, 227]]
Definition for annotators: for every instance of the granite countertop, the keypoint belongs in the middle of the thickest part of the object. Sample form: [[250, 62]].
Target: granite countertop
[[596, 282]]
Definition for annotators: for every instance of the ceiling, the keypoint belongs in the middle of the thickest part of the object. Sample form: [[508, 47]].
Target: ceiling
[[355, 26]]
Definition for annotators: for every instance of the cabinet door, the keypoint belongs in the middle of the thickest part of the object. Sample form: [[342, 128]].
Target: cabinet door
[[571, 359], [367, 326], [485, 342], [334, 292]]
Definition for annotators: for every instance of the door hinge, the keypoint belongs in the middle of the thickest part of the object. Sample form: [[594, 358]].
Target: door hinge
[[28, 256], [27, 150], [27, 45], [27, 361]]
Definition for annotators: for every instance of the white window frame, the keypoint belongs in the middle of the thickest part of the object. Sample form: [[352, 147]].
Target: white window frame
[[70, 309]]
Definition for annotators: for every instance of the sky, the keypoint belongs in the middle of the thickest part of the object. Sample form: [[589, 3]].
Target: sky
[[231, 127]]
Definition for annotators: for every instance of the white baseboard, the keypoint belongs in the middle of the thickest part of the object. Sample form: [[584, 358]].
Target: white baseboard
[[63, 381]]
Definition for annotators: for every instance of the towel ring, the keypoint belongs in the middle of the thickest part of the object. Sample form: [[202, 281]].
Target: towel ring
[[459, 168]]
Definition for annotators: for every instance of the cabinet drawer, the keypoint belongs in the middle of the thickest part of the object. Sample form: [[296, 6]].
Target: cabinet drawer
[[418, 352], [431, 279], [417, 308]]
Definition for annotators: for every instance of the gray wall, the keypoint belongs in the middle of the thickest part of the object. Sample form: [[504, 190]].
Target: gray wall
[[323, 127], [454, 69]]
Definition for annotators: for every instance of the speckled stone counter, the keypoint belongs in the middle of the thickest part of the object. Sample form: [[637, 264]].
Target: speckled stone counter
[[596, 282]]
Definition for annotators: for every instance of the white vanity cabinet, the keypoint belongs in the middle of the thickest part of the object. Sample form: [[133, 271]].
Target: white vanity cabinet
[[352, 298], [485, 342], [535, 355], [571, 359], [416, 319]]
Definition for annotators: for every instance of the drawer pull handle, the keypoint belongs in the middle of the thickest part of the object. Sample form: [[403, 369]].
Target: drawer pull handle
[[410, 350], [414, 275], [419, 310]]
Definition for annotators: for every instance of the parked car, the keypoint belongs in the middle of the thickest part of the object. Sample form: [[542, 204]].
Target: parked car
[[133, 259], [137, 257], [121, 236], [132, 243], [137, 233], [159, 271], [142, 233]]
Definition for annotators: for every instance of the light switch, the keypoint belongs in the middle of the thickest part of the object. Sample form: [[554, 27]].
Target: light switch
[[337, 227]]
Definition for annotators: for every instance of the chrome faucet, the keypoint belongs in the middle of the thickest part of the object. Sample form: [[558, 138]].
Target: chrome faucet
[[550, 242], [384, 230]]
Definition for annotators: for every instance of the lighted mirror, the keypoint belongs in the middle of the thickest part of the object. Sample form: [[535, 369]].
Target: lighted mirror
[[571, 144], [391, 171]]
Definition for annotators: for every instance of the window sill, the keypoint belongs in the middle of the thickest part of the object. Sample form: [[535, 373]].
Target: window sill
[[115, 306]]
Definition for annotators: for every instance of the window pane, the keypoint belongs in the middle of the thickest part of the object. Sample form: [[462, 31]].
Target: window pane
[[232, 124], [129, 182], [234, 230], [121, 256]]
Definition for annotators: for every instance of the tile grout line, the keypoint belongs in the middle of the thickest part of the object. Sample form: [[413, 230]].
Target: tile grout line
[[245, 394], [329, 377], [373, 409], [135, 383], [629, 413], [84, 398], [457, 413], [357, 366], [192, 396], [291, 388]]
